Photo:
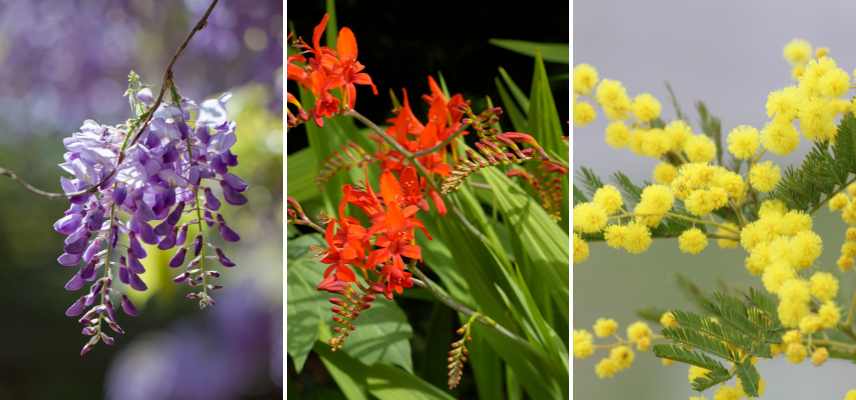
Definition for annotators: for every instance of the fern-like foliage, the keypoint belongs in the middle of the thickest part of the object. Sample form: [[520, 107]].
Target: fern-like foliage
[[823, 173], [734, 329]]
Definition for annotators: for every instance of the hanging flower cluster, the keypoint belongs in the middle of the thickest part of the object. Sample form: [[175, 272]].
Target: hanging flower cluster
[[160, 186]]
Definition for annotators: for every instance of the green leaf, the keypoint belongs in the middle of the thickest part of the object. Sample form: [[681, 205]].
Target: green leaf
[[349, 374], [518, 119], [553, 52], [545, 124], [382, 335], [518, 95], [749, 378], [692, 357], [304, 304], [389, 383], [301, 169]]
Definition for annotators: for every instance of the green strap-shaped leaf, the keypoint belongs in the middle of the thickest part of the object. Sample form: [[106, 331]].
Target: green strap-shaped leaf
[[305, 305], [544, 122], [301, 170], [553, 52], [390, 383]]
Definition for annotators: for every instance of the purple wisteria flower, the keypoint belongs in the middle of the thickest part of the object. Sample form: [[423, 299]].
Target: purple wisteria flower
[[157, 187]]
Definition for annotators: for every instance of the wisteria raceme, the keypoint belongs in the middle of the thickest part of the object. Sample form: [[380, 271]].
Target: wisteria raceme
[[167, 185]]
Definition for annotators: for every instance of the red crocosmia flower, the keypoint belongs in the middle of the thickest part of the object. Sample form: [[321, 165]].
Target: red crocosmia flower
[[350, 68], [411, 188], [395, 278], [326, 69], [339, 253], [366, 200]]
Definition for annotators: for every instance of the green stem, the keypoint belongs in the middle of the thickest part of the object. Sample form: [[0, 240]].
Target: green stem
[[446, 299]]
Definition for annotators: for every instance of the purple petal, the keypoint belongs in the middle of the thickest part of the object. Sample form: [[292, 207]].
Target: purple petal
[[175, 216], [75, 308], [211, 201], [225, 261], [92, 249], [135, 247], [124, 276], [178, 259], [128, 307], [135, 265], [182, 235], [234, 182], [228, 234], [68, 224], [75, 283], [197, 245], [68, 260], [137, 283], [232, 196]]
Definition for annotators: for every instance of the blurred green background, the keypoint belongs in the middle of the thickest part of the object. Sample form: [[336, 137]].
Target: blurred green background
[[172, 350]]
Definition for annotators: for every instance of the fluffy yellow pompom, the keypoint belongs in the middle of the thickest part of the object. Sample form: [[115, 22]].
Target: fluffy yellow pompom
[[819, 356], [796, 352], [780, 137], [783, 104], [700, 148], [678, 132], [606, 368], [612, 97], [585, 79], [581, 250], [692, 241], [623, 356], [838, 202], [835, 83], [609, 198], [665, 173], [655, 201], [668, 320], [824, 286], [584, 113], [639, 333], [775, 276], [604, 327], [637, 238], [764, 176], [829, 314], [589, 217], [646, 107], [617, 134], [806, 247], [797, 51], [851, 395], [583, 344], [743, 142], [728, 393]]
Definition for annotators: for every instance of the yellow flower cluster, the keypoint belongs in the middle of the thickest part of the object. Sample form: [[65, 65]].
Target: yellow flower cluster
[[693, 184], [844, 203], [621, 355], [815, 102]]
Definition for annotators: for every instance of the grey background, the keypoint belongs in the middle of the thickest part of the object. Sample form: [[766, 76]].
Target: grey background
[[729, 54]]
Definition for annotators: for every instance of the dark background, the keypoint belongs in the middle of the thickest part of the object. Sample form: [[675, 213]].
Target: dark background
[[402, 42]]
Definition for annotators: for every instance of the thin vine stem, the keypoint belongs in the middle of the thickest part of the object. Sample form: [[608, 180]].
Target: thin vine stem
[[131, 137]]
